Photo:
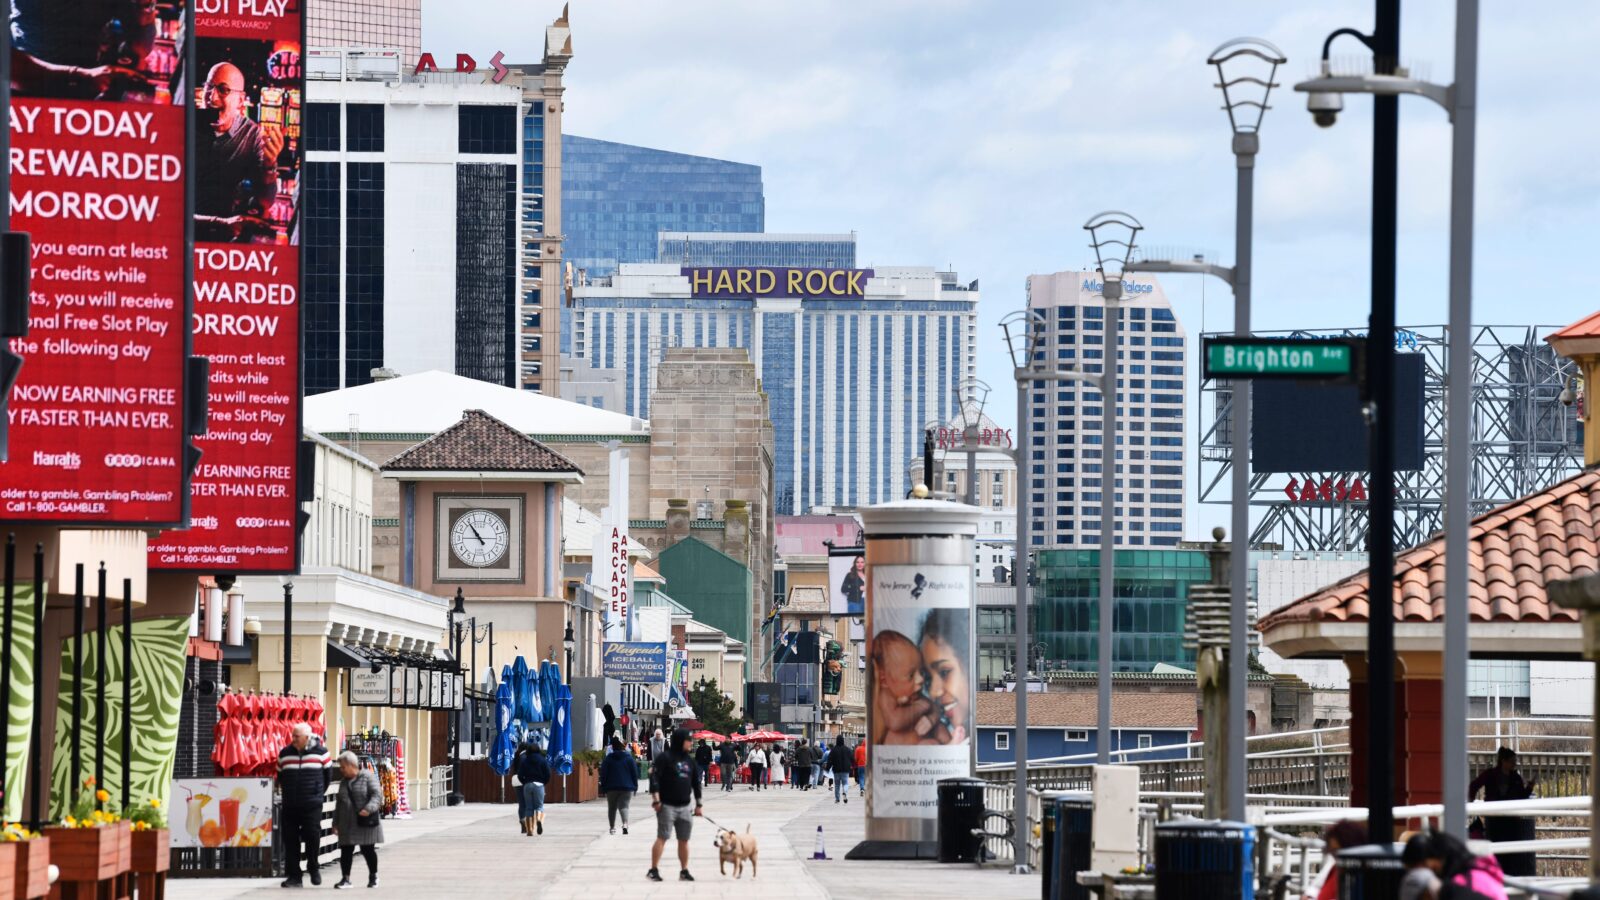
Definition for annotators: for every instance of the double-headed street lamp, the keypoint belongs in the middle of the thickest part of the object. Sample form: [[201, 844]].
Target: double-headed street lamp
[[1246, 68], [1387, 82], [1112, 237]]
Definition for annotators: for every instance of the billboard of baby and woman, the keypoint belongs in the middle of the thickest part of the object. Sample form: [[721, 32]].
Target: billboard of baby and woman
[[919, 684]]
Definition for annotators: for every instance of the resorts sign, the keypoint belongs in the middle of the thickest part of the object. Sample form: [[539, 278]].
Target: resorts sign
[[777, 281]]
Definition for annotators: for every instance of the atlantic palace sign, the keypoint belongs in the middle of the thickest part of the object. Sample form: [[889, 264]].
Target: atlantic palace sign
[[777, 281]]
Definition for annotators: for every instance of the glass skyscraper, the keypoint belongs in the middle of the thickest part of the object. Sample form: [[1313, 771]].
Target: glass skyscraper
[[618, 198], [1061, 452], [828, 251], [855, 365]]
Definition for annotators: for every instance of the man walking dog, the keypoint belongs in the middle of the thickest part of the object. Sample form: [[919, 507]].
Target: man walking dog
[[674, 785]]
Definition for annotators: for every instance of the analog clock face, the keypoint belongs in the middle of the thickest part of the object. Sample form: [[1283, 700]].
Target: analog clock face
[[480, 537]]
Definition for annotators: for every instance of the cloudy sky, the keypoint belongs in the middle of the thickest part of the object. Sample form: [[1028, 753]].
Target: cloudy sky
[[983, 133]]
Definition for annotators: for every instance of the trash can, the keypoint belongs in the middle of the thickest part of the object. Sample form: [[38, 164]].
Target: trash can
[[960, 812], [1370, 872], [1074, 841], [1205, 860]]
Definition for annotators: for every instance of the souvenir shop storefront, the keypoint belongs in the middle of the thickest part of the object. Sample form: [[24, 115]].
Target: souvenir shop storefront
[[368, 657]]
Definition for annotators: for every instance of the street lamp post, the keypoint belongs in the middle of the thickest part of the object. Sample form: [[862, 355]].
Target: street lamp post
[[569, 643], [1025, 333], [1460, 100], [457, 611], [1240, 92], [288, 633]]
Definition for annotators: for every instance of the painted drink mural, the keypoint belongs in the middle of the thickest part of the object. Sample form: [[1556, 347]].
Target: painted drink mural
[[98, 179], [249, 95]]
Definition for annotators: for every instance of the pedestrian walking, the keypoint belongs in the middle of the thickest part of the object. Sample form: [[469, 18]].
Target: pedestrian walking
[[674, 785], [790, 768], [304, 770], [758, 767], [658, 745], [1504, 782], [533, 772], [861, 765], [619, 781], [356, 819], [775, 766], [802, 765], [729, 763], [840, 762], [820, 767], [702, 758]]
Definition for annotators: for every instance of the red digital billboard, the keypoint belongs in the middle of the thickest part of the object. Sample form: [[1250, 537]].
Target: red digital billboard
[[97, 178], [249, 96]]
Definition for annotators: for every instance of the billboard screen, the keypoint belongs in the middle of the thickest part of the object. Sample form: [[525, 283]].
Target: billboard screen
[[847, 581], [1304, 426], [249, 95], [98, 180]]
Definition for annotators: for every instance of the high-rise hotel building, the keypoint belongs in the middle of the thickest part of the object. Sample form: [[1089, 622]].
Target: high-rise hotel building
[[857, 362], [1061, 452]]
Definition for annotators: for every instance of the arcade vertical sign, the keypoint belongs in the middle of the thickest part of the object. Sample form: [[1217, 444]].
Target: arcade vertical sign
[[98, 179], [248, 91]]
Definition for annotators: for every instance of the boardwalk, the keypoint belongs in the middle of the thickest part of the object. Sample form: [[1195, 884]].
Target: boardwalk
[[475, 851]]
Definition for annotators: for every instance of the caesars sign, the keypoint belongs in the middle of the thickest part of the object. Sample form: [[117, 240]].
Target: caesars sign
[[248, 92], [777, 281], [98, 131]]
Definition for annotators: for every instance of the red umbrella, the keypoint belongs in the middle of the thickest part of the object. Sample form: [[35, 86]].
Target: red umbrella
[[703, 735], [767, 737]]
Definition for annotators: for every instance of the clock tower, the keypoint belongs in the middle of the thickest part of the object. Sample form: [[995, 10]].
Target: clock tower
[[480, 510]]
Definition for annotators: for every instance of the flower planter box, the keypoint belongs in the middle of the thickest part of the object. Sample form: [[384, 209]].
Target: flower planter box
[[579, 787], [152, 856], [8, 863], [32, 870], [88, 858]]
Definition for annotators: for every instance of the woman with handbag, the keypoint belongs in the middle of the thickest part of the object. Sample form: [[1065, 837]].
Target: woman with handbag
[[355, 819]]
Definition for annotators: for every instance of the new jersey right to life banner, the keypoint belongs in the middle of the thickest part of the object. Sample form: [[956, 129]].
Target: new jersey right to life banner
[[920, 684]]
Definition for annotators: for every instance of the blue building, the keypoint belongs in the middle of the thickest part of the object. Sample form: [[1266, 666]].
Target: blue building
[[824, 251], [856, 362], [618, 198], [1062, 723]]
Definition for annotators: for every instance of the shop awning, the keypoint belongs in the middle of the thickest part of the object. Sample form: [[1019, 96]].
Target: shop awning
[[344, 656], [637, 698]]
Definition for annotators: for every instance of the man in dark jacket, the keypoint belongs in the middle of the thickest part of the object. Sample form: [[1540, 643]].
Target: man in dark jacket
[[729, 762], [533, 773], [840, 761], [304, 769], [674, 786], [802, 765], [702, 758]]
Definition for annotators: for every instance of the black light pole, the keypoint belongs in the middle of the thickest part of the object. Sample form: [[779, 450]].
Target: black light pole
[[458, 610], [127, 691], [569, 643], [1380, 384], [77, 679], [36, 735], [288, 634], [100, 681]]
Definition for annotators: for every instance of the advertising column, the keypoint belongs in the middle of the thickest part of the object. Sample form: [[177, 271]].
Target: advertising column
[[248, 92], [921, 609], [98, 180]]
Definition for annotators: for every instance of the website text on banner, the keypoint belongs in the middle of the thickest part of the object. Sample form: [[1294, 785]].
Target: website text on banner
[[97, 180], [249, 94]]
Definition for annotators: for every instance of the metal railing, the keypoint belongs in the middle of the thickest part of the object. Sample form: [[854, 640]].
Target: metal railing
[[438, 786]]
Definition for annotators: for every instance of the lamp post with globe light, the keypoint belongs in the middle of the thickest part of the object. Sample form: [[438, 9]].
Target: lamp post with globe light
[[1112, 237], [1246, 68]]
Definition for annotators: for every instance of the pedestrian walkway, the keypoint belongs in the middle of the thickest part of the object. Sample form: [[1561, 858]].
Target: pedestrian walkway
[[477, 851]]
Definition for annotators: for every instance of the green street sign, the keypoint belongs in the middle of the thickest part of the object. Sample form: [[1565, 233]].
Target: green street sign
[[1332, 359]]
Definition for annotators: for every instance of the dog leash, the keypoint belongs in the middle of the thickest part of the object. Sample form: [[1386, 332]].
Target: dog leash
[[715, 823]]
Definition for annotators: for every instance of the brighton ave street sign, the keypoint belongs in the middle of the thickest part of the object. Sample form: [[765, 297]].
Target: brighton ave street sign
[[1332, 359]]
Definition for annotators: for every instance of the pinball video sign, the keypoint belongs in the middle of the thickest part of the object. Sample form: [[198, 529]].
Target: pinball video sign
[[98, 132], [248, 93]]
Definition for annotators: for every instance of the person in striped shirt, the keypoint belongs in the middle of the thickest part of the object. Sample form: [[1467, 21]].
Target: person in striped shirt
[[304, 769]]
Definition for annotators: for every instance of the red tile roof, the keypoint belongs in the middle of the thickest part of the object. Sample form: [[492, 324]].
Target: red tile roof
[[1515, 551], [1588, 326], [480, 443]]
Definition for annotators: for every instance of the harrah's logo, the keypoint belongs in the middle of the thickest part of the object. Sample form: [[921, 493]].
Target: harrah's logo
[[1128, 287]]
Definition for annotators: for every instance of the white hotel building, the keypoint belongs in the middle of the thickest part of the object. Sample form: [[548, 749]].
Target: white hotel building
[[1061, 455], [853, 381]]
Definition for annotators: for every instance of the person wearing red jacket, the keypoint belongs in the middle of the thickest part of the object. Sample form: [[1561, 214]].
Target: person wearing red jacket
[[861, 765]]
